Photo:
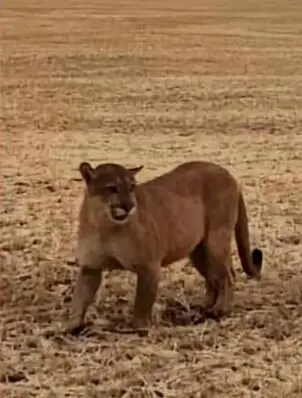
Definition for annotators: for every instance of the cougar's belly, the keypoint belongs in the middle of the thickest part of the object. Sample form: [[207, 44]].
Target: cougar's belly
[[178, 254], [183, 237]]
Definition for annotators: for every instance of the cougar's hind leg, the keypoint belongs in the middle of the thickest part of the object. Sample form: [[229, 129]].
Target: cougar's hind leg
[[201, 261], [86, 286], [220, 272]]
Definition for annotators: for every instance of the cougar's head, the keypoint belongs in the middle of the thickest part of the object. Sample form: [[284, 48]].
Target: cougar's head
[[111, 189]]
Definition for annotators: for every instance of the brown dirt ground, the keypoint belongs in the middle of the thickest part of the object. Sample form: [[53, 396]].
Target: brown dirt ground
[[157, 83]]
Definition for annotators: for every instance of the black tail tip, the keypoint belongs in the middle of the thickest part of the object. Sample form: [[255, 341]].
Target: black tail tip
[[257, 257]]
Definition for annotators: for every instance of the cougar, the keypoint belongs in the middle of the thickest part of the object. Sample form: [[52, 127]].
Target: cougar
[[190, 211]]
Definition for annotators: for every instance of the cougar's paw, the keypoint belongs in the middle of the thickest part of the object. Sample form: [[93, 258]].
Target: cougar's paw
[[141, 326], [215, 313], [75, 328]]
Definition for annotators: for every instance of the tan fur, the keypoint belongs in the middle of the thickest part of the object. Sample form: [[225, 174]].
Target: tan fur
[[191, 211]]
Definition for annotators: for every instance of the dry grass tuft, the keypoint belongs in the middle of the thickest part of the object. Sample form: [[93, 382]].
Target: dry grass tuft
[[154, 83]]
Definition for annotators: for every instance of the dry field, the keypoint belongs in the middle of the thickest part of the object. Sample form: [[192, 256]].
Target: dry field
[[153, 83]]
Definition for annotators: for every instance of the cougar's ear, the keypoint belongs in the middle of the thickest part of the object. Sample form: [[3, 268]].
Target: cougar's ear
[[86, 171], [133, 171]]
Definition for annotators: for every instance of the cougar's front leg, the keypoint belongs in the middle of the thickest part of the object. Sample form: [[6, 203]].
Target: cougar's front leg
[[146, 290], [86, 286]]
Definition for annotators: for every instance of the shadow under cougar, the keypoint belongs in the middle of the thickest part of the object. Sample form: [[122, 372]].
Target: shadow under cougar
[[177, 314]]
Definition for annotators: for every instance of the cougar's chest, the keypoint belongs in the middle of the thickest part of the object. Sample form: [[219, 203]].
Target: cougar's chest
[[90, 251], [106, 252]]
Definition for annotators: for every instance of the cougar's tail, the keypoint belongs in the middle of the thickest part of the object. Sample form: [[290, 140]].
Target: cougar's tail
[[251, 262]]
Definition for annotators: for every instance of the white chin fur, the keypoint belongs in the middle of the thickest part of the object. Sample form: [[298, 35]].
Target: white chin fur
[[122, 212], [120, 222]]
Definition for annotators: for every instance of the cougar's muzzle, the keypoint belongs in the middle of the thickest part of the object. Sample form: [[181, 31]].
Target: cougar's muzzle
[[123, 210]]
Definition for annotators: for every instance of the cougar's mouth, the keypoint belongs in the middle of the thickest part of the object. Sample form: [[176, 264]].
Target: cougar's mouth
[[120, 214]]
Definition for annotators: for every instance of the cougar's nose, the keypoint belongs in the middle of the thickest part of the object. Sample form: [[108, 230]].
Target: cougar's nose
[[126, 204]]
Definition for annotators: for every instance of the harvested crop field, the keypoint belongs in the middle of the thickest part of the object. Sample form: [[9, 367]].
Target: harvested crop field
[[153, 83]]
